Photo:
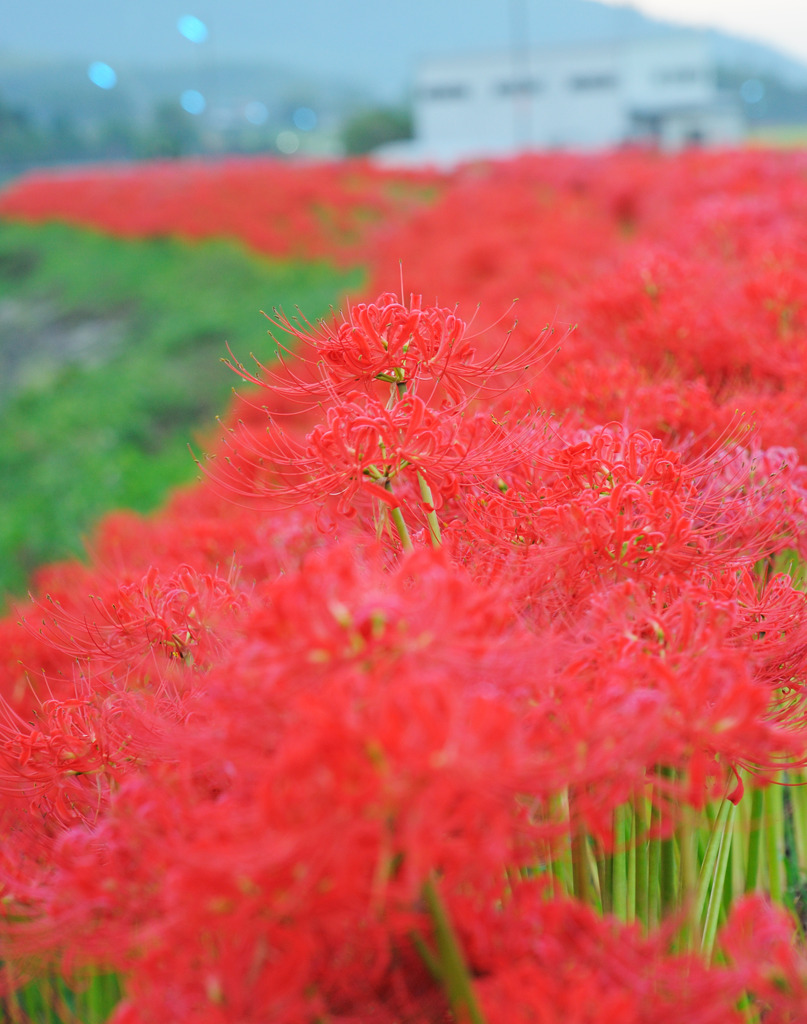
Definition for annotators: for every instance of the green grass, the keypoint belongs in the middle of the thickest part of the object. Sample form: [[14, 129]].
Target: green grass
[[110, 363], [788, 136]]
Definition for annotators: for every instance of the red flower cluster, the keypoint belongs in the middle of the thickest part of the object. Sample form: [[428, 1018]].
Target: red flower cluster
[[302, 211], [469, 639]]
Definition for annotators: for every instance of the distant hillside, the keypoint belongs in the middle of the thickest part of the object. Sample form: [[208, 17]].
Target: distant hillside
[[369, 46]]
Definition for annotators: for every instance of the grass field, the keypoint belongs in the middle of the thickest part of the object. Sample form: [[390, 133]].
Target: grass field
[[790, 136], [110, 365]]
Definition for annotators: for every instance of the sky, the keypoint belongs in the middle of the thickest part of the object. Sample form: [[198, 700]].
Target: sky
[[782, 23], [370, 44], [70, 25]]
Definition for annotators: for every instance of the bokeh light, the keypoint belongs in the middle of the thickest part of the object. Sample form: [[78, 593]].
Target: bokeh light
[[287, 142], [193, 101], [256, 112], [102, 75], [752, 90], [192, 28], [304, 118]]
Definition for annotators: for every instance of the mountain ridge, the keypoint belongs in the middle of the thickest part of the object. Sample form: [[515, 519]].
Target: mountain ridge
[[371, 47]]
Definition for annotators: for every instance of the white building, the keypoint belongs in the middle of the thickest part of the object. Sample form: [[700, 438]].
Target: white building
[[660, 90]]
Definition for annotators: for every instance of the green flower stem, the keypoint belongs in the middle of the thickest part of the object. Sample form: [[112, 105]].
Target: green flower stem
[[754, 840], [653, 889], [728, 881], [739, 847], [453, 969], [13, 1002], [96, 999], [580, 874], [595, 892], [687, 846], [561, 877], [790, 866], [561, 852], [604, 866], [798, 805], [431, 517], [668, 876], [667, 868], [401, 528], [395, 514], [20, 1007], [584, 868], [429, 959], [619, 864], [641, 846], [774, 840], [718, 881], [748, 1010], [633, 855], [59, 1002], [706, 878]]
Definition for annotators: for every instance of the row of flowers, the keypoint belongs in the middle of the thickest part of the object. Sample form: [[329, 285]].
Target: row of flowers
[[306, 211], [632, 248], [457, 687]]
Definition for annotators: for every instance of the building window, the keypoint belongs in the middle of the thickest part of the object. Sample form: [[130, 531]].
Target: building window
[[585, 82], [443, 91], [519, 87]]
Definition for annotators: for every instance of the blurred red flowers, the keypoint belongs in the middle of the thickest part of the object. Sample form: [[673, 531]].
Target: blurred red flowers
[[470, 704]]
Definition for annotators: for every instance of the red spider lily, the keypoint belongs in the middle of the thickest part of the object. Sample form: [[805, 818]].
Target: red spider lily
[[58, 772], [777, 983], [364, 448], [316, 211], [341, 609], [414, 746], [770, 628], [558, 961], [570, 518], [773, 484], [174, 615], [669, 675], [406, 347], [48, 767], [83, 740], [411, 761]]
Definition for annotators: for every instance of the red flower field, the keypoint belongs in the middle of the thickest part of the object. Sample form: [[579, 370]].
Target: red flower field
[[463, 684]]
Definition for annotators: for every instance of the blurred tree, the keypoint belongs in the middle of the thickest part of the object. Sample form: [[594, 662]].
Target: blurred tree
[[117, 139], [19, 140], [368, 129], [64, 140], [172, 133], [13, 118]]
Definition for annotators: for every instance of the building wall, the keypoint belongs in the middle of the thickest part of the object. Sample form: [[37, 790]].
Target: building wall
[[578, 97]]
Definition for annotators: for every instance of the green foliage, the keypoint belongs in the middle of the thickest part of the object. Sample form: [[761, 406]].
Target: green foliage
[[27, 142], [172, 133], [50, 1000], [110, 364], [370, 129]]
